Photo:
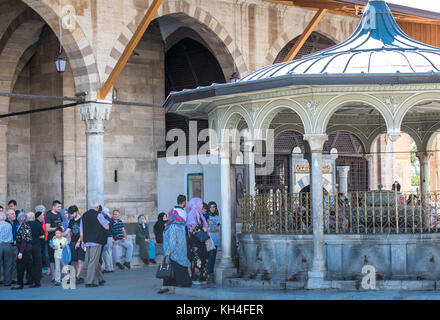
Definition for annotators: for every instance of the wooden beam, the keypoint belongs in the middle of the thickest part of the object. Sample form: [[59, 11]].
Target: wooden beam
[[348, 10], [306, 34], [132, 44]]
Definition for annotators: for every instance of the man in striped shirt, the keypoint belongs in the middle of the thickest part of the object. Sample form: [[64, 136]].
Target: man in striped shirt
[[6, 253], [120, 239]]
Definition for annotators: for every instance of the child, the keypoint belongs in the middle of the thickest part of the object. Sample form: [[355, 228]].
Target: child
[[58, 244]]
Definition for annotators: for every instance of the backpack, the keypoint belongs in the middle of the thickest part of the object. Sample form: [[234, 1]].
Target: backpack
[[66, 255]]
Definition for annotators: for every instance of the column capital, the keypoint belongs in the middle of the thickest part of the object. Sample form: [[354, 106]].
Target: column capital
[[393, 134], [94, 115], [343, 170], [424, 156], [316, 140], [368, 156]]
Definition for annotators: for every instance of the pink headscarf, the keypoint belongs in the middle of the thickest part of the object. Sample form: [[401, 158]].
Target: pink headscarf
[[194, 210]]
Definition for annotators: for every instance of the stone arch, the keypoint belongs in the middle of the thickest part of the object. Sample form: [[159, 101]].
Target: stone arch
[[328, 110], [373, 136], [430, 139], [231, 119], [358, 134], [75, 44], [211, 30], [25, 58], [288, 127], [286, 37], [271, 109], [15, 48], [305, 181], [414, 135], [410, 102], [281, 129]]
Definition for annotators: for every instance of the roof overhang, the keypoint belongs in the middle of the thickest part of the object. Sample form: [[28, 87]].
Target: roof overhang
[[355, 7], [207, 96]]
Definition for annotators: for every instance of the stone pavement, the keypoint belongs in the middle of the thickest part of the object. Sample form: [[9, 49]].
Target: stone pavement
[[141, 284], [134, 284]]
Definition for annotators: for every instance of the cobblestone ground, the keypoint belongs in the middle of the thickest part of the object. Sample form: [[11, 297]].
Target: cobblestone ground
[[141, 284]]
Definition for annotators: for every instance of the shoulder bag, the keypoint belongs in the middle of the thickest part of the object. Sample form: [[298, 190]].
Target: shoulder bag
[[165, 271]]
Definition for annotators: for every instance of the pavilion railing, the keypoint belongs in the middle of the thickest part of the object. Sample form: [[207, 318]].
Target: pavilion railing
[[366, 212], [277, 212]]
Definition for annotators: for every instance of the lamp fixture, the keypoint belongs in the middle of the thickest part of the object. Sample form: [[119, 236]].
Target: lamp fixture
[[60, 60]]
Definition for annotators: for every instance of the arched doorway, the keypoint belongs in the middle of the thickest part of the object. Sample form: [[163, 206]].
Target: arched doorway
[[316, 42], [188, 65]]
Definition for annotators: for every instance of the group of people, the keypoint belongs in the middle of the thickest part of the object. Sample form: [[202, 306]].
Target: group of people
[[191, 240], [88, 242]]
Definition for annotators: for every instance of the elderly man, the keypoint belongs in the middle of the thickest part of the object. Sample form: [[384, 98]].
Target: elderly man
[[37, 236], [12, 220], [120, 239], [6, 253], [93, 236]]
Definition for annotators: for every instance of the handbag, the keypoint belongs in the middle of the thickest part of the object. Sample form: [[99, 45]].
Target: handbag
[[165, 271], [202, 236], [209, 245]]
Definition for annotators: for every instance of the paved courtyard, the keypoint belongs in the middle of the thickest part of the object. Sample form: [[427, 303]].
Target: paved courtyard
[[141, 284]]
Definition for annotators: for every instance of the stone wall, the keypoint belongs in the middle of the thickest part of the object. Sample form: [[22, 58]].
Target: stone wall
[[47, 151], [46, 127], [18, 139]]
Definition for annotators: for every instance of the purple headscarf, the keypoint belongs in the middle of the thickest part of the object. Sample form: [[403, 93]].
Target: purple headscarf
[[194, 210]]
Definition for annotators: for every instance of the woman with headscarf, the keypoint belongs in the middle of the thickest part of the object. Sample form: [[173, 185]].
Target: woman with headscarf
[[214, 231], [175, 250], [24, 245], [66, 220], [198, 254], [158, 229], [143, 240]]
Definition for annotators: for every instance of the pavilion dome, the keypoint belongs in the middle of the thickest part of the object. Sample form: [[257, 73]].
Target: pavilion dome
[[378, 46]]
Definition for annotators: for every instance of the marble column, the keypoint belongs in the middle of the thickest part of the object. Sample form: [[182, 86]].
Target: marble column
[[424, 158], [369, 158], [249, 160], [343, 179], [94, 115], [316, 276], [226, 266]]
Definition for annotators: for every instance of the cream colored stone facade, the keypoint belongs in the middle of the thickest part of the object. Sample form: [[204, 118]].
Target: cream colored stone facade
[[44, 154]]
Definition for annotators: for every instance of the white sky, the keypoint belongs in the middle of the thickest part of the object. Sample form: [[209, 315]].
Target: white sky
[[429, 5]]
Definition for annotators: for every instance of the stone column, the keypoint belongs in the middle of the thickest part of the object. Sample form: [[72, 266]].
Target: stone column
[[94, 114], [334, 156], [226, 266], [318, 272], [343, 179], [369, 158], [424, 158], [249, 160]]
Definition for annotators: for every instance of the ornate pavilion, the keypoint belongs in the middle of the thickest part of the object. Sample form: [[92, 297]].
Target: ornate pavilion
[[378, 81]]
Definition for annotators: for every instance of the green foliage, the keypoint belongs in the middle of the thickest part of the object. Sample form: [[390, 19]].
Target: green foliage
[[415, 181]]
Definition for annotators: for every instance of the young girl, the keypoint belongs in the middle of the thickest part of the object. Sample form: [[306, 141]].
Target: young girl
[[58, 244]]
